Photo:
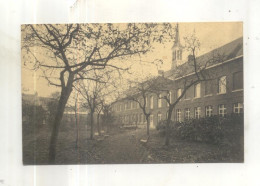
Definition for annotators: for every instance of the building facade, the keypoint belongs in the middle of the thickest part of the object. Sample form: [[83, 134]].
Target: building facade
[[221, 94]]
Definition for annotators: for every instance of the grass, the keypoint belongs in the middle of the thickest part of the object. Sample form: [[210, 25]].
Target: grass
[[121, 146]]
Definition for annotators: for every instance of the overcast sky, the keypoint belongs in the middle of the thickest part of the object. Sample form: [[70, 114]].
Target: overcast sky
[[211, 36]]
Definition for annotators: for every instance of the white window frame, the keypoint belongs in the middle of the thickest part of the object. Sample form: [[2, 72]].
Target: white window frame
[[170, 98], [178, 115], [208, 110], [222, 110], [159, 102], [187, 113], [222, 85], [197, 92], [151, 102], [179, 91], [159, 117], [197, 112], [237, 108]]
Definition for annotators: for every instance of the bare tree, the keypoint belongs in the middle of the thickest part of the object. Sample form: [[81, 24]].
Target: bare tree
[[107, 116], [184, 77], [99, 110], [67, 53], [74, 104], [139, 94]]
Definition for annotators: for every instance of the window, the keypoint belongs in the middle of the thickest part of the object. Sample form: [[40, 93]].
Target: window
[[159, 117], [238, 80], [151, 120], [170, 98], [151, 102], [178, 115], [125, 106], [187, 113], [209, 87], [179, 55], [159, 101], [134, 105], [197, 91], [222, 110], [188, 93], [178, 93], [174, 55], [197, 112], [128, 105], [208, 111], [238, 108], [222, 85]]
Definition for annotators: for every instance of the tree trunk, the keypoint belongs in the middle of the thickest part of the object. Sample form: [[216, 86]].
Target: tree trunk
[[167, 129], [91, 124], [98, 127], [65, 93], [148, 125]]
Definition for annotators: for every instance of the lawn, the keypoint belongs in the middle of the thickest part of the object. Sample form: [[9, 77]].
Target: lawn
[[120, 146]]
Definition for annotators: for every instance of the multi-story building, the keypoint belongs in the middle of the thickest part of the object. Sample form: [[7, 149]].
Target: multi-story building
[[220, 94]]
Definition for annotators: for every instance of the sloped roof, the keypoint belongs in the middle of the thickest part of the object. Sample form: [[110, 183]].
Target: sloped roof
[[219, 55], [158, 80]]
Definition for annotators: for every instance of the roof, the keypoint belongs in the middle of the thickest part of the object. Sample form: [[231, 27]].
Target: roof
[[158, 80], [219, 55]]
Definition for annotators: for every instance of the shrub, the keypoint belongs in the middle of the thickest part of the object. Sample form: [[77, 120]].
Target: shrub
[[215, 129]]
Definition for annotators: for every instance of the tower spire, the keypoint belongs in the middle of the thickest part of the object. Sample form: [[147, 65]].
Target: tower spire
[[177, 49], [177, 36]]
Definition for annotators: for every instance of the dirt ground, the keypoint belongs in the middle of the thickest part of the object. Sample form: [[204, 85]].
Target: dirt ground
[[120, 147]]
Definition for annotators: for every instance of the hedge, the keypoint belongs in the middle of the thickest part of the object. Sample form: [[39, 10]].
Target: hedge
[[215, 129]]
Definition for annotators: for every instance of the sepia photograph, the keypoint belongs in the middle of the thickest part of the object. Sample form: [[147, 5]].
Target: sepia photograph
[[132, 93]]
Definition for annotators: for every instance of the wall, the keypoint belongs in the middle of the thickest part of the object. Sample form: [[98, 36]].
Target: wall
[[229, 98]]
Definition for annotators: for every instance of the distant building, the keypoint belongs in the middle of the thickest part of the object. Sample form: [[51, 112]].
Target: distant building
[[46, 105], [221, 95]]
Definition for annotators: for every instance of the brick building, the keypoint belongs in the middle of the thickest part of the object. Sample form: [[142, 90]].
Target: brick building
[[221, 94]]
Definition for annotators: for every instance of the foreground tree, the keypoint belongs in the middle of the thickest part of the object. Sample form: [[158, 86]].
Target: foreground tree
[[66, 53]]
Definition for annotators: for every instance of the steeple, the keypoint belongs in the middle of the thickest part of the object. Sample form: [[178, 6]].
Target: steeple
[[177, 36], [176, 49]]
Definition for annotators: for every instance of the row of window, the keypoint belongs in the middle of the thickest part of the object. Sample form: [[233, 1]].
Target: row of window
[[222, 111], [209, 90]]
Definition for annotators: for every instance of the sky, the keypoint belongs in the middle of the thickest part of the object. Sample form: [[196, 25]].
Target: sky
[[210, 35]]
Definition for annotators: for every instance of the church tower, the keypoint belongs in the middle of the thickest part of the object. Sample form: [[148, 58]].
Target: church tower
[[177, 50]]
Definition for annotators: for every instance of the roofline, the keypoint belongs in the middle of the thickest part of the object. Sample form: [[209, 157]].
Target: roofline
[[212, 66]]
